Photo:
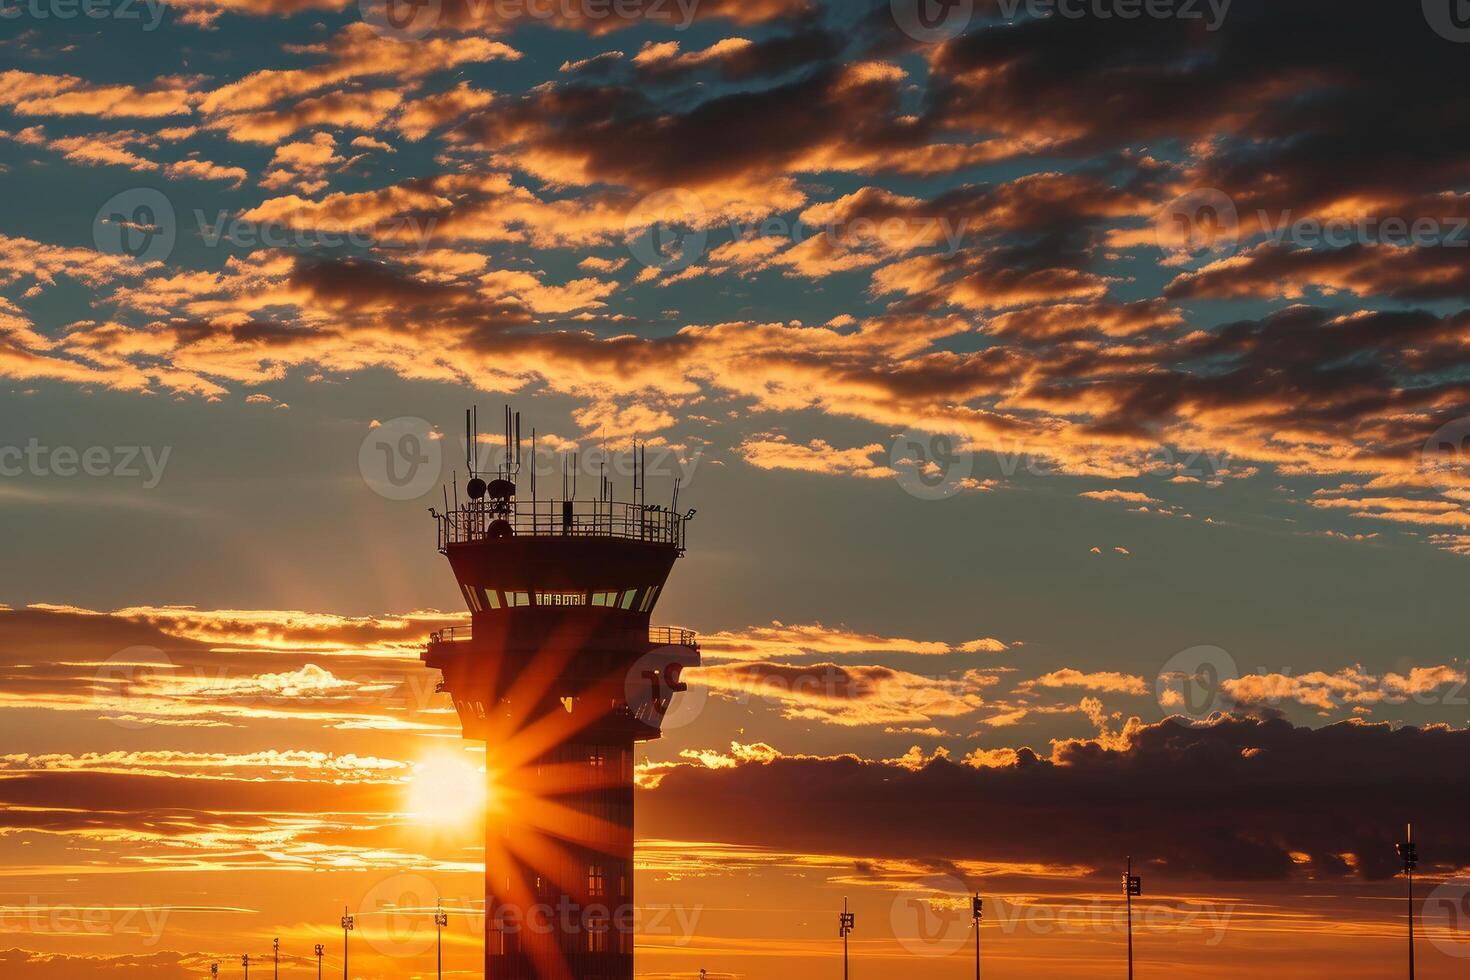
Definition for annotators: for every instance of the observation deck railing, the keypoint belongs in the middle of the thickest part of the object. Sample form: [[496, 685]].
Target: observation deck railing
[[480, 521], [672, 636], [666, 636]]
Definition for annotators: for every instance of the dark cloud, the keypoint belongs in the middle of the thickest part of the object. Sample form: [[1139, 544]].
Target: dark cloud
[[1240, 799]]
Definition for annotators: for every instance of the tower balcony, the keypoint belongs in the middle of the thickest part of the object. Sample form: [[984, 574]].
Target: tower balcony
[[481, 521], [444, 641]]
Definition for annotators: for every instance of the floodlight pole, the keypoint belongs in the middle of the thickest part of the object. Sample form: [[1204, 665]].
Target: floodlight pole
[[320, 950], [441, 919], [245, 962], [276, 952], [347, 926], [1409, 852], [977, 912], [1132, 885], [846, 922]]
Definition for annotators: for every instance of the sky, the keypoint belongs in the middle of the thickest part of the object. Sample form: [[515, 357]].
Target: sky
[[1074, 399]]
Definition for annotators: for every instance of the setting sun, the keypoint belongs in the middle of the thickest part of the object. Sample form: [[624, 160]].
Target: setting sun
[[447, 788]]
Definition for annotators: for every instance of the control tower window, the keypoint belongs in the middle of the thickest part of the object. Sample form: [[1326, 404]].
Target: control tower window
[[596, 936], [628, 598], [595, 881], [608, 599], [492, 599], [561, 598], [517, 598], [649, 599]]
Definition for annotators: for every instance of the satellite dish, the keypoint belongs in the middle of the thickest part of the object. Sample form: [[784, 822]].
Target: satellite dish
[[476, 489], [498, 529], [502, 490]]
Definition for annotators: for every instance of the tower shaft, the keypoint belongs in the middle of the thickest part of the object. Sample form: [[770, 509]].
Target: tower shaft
[[561, 675]]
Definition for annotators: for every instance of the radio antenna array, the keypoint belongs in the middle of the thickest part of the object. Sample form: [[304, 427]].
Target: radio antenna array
[[472, 439]]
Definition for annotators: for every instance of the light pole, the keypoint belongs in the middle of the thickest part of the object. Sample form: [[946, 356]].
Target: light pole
[[977, 912], [213, 970], [441, 919], [276, 952], [320, 950], [845, 926], [1132, 885], [245, 962], [347, 926], [1410, 855]]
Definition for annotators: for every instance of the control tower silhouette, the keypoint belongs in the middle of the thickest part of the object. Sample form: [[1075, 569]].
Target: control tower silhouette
[[560, 674]]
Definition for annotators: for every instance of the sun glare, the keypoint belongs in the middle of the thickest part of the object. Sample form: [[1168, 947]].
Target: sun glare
[[447, 789]]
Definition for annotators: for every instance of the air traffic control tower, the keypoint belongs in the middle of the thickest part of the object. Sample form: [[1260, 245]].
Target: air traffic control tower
[[561, 674]]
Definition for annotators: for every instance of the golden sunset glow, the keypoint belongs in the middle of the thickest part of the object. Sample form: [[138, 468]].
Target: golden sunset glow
[[448, 789], [1048, 422]]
